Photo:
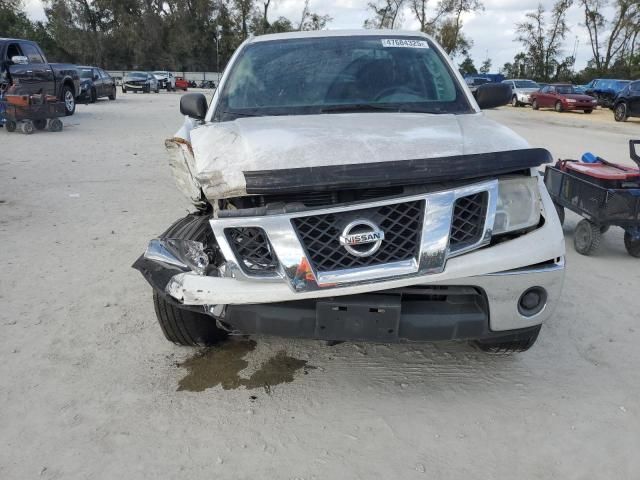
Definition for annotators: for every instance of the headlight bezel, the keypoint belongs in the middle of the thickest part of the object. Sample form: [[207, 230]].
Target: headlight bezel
[[519, 206]]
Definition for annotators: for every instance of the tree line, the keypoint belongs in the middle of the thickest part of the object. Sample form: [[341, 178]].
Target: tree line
[[200, 35], [614, 40], [178, 35]]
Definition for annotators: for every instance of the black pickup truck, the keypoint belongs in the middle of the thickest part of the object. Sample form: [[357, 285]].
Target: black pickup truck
[[22, 63]]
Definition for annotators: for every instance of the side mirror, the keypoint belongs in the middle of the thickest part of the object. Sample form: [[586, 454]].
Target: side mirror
[[96, 77], [194, 105], [19, 60], [492, 95]]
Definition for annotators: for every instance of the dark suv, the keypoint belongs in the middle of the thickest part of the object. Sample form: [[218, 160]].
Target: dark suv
[[627, 103]]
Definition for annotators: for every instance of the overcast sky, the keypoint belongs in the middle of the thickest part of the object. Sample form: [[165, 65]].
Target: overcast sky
[[492, 31]]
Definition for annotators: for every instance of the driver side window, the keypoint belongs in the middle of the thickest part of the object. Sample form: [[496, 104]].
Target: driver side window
[[13, 50]]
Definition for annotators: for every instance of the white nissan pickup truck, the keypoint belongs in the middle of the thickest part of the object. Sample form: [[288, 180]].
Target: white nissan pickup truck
[[348, 187]]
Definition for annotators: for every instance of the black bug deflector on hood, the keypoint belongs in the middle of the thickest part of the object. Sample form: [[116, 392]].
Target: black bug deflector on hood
[[402, 172]]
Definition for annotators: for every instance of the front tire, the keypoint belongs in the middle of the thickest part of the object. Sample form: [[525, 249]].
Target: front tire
[[632, 246], [186, 327], [535, 105], [620, 112], [521, 343], [69, 100], [93, 98], [558, 107], [588, 110], [587, 237], [514, 101], [113, 94]]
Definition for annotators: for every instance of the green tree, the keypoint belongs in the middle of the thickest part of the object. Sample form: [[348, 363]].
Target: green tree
[[486, 66], [467, 67]]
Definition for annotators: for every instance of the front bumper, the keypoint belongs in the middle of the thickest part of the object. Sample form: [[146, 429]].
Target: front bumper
[[502, 271], [580, 106], [135, 86]]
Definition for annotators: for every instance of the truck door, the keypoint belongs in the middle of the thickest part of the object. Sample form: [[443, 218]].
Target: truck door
[[39, 70], [18, 72]]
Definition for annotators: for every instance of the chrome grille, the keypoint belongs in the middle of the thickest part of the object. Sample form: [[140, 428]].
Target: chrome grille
[[467, 224], [251, 246], [320, 235]]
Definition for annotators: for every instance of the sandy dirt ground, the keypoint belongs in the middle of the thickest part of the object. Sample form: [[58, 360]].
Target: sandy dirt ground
[[89, 388]]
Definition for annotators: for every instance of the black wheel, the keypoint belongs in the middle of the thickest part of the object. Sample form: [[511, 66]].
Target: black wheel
[[185, 327], [157, 90], [514, 101], [521, 343], [55, 125], [93, 96], [558, 107], [69, 100], [113, 94], [11, 126], [124, 90], [40, 124], [620, 112], [534, 104], [632, 246], [604, 228], [560, 212], [588, 110], [587, 237]]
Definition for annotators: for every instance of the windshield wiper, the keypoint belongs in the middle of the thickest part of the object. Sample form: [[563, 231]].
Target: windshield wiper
[[241, 114], [360, 107], [373, 107]]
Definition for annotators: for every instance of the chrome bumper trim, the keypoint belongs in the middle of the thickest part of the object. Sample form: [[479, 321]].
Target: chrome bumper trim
[[296, 269]]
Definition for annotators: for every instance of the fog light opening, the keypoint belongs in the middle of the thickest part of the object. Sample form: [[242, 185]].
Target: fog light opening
[[532, 301]]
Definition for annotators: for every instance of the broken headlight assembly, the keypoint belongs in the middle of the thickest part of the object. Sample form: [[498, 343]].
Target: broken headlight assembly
[[184, 254], [518, 205]]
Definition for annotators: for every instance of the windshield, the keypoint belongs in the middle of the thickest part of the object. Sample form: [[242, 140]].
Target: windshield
[[136, 75], [526, 84], [86, 73], [339, 74], [565, 89]]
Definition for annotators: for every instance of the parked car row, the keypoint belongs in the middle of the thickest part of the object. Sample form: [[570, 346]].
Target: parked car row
[[622, 96]]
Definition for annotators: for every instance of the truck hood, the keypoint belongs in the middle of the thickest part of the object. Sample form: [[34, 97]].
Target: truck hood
[[224, 152]]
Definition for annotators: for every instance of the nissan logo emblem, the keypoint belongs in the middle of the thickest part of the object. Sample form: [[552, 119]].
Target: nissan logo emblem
[[361, 238]]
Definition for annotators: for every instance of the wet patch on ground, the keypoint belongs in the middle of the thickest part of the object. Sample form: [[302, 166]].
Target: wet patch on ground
[[221, 365]]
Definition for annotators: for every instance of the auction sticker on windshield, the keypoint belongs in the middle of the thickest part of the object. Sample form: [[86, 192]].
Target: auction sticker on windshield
[[404, 43]]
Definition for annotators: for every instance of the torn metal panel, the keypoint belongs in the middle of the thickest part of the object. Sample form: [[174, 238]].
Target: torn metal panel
[[224, 151], [181, 162]]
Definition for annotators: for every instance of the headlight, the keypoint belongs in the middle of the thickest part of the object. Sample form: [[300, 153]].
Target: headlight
[[518, 205], [571, 100]]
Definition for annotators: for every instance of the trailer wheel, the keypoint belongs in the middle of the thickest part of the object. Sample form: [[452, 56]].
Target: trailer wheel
[[55, 125], [186, 327], [632, 246], [40, 124], [587, 237], [560, 212], [11, 126], [27, 127]]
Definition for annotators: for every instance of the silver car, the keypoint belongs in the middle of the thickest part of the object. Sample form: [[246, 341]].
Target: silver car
[[522, 90]]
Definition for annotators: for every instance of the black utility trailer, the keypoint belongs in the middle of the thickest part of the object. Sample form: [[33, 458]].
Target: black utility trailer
[[29, 118], [605, 194]]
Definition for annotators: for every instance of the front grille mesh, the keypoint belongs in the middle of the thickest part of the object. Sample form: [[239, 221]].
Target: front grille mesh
[[468, 220], [401, 223], [252, 248]]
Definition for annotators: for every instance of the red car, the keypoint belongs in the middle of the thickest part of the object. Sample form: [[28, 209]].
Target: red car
[[562, 97], [181, 83]]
